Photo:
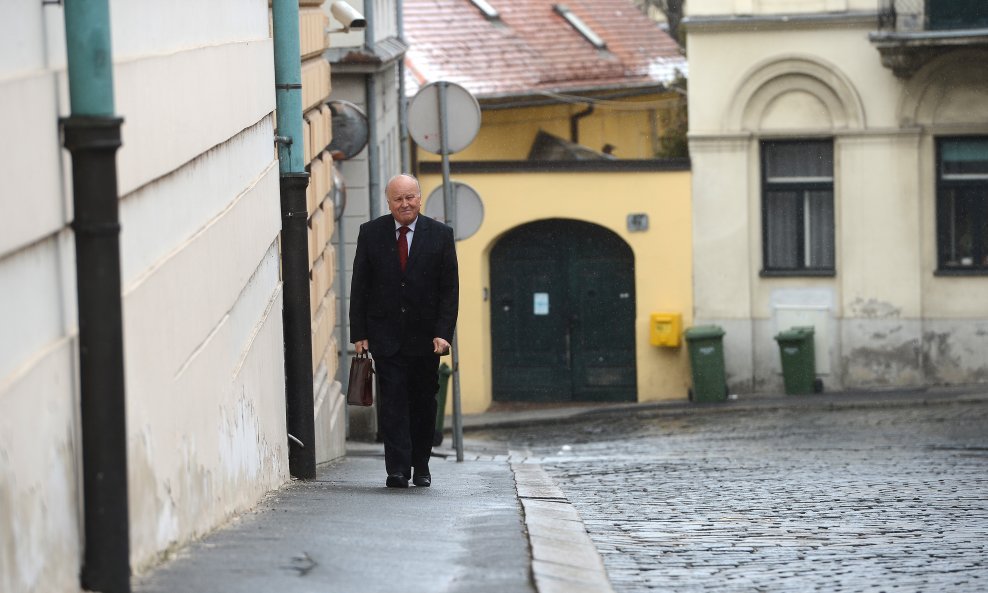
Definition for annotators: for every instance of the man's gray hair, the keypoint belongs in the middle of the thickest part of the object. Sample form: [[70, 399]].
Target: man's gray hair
[[418, 186]]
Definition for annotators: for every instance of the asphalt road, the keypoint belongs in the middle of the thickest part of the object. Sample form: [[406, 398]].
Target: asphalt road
[[787, 499]]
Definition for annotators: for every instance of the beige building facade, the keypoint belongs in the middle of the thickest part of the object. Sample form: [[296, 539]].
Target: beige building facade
[[840, 181]]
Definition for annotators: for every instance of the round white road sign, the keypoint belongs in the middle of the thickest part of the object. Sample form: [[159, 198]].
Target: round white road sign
[[469, 209], [462, 113]]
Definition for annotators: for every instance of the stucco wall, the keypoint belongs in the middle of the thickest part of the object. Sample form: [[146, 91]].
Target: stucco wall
[[202, 299], [662, 260], [885, 318]]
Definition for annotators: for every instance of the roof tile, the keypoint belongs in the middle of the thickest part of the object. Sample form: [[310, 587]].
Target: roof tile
[[533, 49]]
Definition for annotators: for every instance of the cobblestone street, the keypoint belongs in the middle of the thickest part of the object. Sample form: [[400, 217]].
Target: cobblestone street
[[790, 499]]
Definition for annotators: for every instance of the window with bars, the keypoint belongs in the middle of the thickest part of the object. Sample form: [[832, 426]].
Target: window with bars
[[962, 205], [797, 207]]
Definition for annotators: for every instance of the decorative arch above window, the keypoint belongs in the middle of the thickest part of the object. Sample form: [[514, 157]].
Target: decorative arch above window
[[795, 93], [948, 91]]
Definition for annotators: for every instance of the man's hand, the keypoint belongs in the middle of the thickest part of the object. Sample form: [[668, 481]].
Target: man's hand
[[440, 346], [361, 346]]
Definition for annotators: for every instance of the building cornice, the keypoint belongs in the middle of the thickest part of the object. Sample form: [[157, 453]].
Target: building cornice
[[701, 139], [770, 22], [577, 95], [602, 166], [905, 52]]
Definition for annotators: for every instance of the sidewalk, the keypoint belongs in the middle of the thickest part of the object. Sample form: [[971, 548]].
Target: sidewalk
[[345, 532]]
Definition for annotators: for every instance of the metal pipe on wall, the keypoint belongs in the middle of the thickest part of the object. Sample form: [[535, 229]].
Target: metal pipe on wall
[[373, 151], [297, 313], [370, 95], [406, 158], [92, 135], [574, 123]]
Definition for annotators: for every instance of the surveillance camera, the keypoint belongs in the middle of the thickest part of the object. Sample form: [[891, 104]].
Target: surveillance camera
[[348, 16]]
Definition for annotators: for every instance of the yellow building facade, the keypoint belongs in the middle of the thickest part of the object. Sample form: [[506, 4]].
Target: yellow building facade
[[634, 126], [638, 203]]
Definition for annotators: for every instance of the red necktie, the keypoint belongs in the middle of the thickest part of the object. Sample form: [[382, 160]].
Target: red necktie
[[403, 246]]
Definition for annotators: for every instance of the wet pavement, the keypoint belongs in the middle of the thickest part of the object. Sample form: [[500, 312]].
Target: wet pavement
[[776, 498], [345, 532]]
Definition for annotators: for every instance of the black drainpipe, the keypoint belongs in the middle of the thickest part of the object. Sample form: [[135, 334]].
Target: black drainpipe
[[297, 319], [574, 123], [93, 142]]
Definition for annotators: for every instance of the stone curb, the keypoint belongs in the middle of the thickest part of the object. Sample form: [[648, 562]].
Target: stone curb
[[833, 401], [564, 559]]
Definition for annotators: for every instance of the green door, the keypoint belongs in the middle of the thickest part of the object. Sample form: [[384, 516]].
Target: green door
[[562, 314]]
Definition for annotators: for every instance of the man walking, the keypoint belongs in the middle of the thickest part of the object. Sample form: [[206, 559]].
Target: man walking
[[404, 297]]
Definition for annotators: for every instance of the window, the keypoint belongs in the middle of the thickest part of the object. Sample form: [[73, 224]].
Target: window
[[798, 207], [962, 204], [956, 14]]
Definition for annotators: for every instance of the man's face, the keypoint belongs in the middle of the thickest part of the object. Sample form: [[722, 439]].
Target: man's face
[[404, 200]]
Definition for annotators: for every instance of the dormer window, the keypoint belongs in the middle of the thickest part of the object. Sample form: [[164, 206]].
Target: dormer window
[[578, 24], [490, 13]]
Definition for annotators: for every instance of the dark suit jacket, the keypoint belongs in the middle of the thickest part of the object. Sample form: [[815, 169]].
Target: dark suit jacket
[[403, 312]]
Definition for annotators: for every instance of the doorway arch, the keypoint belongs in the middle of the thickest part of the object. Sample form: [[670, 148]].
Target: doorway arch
[[562, 314]]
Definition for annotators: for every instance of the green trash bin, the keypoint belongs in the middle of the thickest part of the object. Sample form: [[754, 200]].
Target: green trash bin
[[798, 360], [444, 373], [706, 347]]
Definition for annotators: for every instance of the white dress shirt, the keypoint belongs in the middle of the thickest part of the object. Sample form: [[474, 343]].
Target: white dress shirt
[[408, 235]]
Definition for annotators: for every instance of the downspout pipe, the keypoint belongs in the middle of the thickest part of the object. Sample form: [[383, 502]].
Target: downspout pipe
[[574, 123], [92, 135], [370, 91], [297, 313], [406, 159], [373, 152]]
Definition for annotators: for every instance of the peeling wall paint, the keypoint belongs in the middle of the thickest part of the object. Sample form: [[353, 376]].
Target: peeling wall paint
[[889, 367], [873, 309], [869, 354], [956, 351]]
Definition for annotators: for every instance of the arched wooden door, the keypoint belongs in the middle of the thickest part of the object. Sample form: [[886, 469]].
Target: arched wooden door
[[563, 314]]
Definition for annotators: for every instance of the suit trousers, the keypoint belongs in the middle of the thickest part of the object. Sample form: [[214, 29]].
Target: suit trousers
[[407, 387]]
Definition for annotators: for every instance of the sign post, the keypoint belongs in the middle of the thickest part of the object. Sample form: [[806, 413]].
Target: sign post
[[429, 114]]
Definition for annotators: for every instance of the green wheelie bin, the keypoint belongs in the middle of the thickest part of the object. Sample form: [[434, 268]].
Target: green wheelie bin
[[706, 348], [444, 372], [798, 360]]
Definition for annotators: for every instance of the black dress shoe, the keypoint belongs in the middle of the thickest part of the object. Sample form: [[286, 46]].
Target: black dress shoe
[[397, 481], [422, 481]]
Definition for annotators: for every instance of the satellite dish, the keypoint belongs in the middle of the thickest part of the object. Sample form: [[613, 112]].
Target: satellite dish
[[468, 207], [462, 116], [349, 130]]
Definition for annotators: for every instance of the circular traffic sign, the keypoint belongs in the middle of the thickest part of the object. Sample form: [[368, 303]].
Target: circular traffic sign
[[468, 207], [462, 117]]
